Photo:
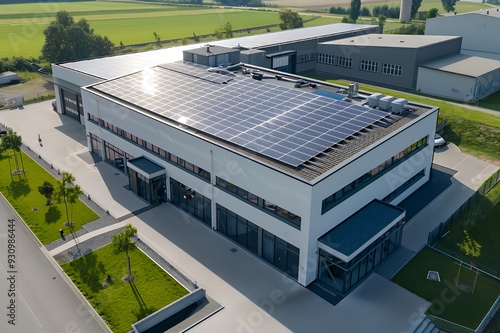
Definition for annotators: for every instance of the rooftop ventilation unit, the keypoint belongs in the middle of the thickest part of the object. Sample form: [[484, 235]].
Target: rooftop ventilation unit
[[385, 103], [374, 99], [353, 90], [398, 105]]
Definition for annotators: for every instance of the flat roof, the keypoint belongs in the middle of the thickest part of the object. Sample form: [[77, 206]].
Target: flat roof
[[463, 64], [359, 230], [391, 40], [293, 35], [196, 100], [493, 12], [115, 66], [146, 167]]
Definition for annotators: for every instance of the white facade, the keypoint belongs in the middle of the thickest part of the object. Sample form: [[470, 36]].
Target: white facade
[[302, 197]]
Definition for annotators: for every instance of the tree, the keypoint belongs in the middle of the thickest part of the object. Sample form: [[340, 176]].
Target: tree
[[355, 9], [157, 39], [365, 11], [432, 13], [67, 193], [415, 5], [14, 142], [47, 189], [227, 30], [66, 40], [290, 20], [471, 248], [381, 20], [347, 19], [123, 243], [449, 5]]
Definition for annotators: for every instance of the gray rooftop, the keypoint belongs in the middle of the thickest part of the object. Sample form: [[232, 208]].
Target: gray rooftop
[[390, 40], [148, 167], [116, 66], [464, 65], [361, 227]]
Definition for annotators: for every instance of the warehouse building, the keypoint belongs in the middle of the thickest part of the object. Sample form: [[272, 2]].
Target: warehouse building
[[389, 60]]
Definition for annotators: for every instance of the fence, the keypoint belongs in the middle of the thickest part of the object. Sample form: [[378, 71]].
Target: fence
[[466, 211]]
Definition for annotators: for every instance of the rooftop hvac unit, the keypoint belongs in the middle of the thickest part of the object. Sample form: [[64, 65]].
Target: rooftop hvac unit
[[353, 89], [385, 103], [374, 99], [398, 105]]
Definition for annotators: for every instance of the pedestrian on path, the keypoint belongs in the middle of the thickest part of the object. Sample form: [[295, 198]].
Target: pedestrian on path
[[40, 140]]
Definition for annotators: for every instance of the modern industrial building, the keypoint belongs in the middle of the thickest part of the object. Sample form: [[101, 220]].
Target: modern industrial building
[[479, 31], [383, 59], [288, 168]]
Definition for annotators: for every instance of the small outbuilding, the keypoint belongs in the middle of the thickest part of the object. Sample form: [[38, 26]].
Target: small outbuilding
[[461, 77], [8, 78]]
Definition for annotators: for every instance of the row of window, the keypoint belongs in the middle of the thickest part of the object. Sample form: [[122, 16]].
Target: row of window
[[404, 186], [306, 57], [353, 187], [368, 66], [272, 249], [392, 69], [364, 65], [153, 148], [269, 207]]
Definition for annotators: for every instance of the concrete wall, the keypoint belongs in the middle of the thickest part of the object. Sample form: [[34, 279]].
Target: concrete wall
[[445, 84], [406, 57]]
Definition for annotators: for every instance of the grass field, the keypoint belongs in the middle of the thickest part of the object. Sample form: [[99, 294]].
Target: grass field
[[21, 26], [456, 305], [121, 304], [23, 195]]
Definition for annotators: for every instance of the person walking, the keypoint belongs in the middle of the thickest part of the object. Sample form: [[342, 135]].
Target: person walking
[[40, 140]]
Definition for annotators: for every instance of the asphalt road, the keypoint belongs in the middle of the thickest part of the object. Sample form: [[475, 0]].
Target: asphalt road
[[34, 295]]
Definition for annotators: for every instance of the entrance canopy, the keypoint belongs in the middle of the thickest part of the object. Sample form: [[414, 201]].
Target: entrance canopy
[[360, 230], [146, 167]]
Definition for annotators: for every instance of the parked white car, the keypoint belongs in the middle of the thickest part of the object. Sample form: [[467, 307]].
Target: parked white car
[[438, 140]]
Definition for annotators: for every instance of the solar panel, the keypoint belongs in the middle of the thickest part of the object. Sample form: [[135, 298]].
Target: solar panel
[[284, 124]]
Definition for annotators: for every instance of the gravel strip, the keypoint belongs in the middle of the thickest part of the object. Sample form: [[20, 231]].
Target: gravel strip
[[86, 247]]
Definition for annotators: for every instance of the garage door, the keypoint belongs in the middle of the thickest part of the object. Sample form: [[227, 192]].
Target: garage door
[[72, 105]]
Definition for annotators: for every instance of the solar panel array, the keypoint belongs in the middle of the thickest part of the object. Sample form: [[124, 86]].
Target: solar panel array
[[285, 124]]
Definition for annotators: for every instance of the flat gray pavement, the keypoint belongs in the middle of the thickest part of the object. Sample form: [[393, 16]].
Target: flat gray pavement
[[65, 147], [256, 297], [471, 173], [43, 300]]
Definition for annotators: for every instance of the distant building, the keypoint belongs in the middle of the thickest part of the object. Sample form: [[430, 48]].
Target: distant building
[[479, 31], [461, 77], [388, 60]]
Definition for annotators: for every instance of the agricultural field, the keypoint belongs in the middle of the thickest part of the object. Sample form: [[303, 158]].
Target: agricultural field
[[22, 25], [323, 5]]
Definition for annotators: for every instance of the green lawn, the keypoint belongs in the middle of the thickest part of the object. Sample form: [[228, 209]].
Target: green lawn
[[121, 304], [22, 193], [449, 303], [482, 226]]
